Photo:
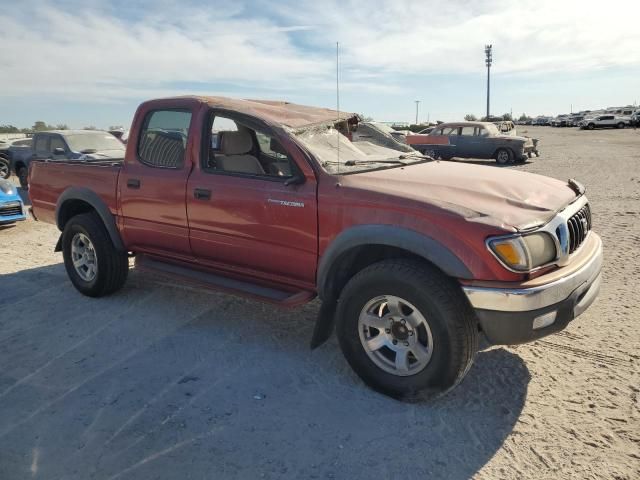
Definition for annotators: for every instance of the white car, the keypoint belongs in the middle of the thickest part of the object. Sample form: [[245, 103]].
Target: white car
[[605, 121]]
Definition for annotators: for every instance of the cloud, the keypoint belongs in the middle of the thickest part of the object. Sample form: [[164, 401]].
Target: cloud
[[106, 52]]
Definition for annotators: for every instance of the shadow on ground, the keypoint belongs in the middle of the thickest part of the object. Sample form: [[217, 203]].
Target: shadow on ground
[[165, 382]]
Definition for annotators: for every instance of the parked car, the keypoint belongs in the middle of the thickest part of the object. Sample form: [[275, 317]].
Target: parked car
[[11, 206], [13, 151], [560, 121], [473, 140], [605, 121], [69, 145], [412, 258], [399, 135]]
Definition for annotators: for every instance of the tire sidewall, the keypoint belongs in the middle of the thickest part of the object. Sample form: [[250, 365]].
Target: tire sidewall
[[439, 373], [94, 286]]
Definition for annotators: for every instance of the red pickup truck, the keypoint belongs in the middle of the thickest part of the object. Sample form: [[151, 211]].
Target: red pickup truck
[[412, 258]]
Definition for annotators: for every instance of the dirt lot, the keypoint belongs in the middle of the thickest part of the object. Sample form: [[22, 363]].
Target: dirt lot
[[160, 381]]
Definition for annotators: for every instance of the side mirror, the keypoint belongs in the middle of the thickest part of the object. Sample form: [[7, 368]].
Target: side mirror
[[59, 151], [297, 179]]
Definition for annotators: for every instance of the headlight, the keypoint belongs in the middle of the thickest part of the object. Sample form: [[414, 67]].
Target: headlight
[[524, 253]]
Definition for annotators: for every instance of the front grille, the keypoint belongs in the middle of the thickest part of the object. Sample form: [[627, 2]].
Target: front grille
[[10, 209], [579, 225]]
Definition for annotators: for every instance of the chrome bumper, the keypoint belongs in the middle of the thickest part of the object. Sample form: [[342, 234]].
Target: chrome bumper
[[534, 298]]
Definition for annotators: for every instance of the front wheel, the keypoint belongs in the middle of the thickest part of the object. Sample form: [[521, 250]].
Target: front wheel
[[406, 329], [504, 156], [5, 170], [93, 264], [23, 176]]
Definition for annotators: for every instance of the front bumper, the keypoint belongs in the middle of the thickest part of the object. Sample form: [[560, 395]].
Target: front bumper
[[12, 211], [519, 314]]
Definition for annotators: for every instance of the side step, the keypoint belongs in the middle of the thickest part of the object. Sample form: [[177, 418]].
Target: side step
[[217, 282]]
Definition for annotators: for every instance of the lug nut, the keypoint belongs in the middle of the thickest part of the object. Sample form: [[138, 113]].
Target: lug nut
[[410, 332], [403, 321]]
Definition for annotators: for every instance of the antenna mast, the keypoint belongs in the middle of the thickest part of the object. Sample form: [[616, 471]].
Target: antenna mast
[[338, 100]]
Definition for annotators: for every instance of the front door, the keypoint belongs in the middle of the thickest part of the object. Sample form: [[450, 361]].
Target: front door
[[152, 186], [252, 205]]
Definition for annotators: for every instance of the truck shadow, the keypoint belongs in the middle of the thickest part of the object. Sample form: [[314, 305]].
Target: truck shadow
[[159, 380]]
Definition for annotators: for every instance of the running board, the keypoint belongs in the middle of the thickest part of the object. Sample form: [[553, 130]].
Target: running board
[[217, 282]]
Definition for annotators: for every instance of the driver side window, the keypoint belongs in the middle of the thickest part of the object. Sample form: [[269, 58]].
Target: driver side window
[[239, 149]]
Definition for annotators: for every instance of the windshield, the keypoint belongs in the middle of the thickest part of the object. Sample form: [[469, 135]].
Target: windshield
[[337, 154], [98, 141]]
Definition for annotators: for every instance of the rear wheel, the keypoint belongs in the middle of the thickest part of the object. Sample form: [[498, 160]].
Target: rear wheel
[[5, 171], [591, 126], [93, 264], [504, 156], [405, 329], [621, 125], [23, 176]]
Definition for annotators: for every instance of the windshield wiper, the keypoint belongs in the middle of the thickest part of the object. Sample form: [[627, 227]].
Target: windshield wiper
[[351, 163], [414, 155]]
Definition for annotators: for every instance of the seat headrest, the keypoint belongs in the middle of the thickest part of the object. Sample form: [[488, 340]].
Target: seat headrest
[[236, 143]]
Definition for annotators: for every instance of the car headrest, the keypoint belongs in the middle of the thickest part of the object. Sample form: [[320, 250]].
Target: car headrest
[[236, 143]]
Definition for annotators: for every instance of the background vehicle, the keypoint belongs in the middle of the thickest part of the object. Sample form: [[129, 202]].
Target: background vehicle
[[12, 151], [69, 145], [473, 140], [11, 206], [605, 121], [412, 258]]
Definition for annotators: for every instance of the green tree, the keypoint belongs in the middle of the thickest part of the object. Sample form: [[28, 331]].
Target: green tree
[[506, 117], [39, 126], [470, 117], [62, 126], [90, 127]]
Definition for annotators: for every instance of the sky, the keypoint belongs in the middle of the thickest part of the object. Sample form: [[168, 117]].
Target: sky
[[92, 62]]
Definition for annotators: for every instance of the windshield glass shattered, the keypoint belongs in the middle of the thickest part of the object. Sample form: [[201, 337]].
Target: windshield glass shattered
[[338, 154]]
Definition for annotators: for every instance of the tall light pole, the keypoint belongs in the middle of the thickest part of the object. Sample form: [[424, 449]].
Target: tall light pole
[[489, 58], [417, 104]]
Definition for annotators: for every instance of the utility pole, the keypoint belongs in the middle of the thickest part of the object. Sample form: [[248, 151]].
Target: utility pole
[[488, 51], [417, 104]]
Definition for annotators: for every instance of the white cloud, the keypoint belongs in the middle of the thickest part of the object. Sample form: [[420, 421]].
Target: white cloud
[[87, 50]]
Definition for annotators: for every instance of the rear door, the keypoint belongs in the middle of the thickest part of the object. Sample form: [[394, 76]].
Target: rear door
[[152, 185], [245, 213]]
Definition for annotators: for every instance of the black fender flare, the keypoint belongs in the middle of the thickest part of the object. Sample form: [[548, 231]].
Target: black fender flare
[[389, 235], [91, 198], [393, 236]]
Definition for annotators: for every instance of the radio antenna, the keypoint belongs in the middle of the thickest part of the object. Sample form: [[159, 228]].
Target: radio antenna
[[338, 100]]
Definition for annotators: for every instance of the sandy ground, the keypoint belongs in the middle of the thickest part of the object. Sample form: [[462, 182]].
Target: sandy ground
[[160, 381]]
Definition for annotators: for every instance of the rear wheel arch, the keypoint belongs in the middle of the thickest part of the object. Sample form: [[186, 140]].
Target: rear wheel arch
[[76, 201]]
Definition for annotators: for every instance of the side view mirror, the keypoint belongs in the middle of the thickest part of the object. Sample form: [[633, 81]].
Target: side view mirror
[[59, 151], [297, 179]]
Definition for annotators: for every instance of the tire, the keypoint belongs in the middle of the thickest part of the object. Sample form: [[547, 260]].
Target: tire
[[448, 342], [111, 266], [620, 125], [5, 168], [23, 176], [591, 126], [504, 156], [430, 153]]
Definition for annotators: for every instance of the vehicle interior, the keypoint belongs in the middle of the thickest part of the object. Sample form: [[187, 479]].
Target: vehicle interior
[[237, 148]]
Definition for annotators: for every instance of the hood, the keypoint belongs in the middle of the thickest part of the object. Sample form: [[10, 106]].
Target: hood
[[500, 197]]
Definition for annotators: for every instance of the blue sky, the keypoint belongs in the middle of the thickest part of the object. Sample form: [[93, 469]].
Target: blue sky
[[91, 62]]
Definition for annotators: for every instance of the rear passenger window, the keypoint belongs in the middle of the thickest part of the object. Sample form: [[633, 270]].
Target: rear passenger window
[[163, 138], [41, 144], [57, 142]]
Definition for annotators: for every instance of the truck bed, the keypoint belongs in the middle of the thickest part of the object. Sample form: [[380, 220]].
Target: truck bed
[[48, 179]]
